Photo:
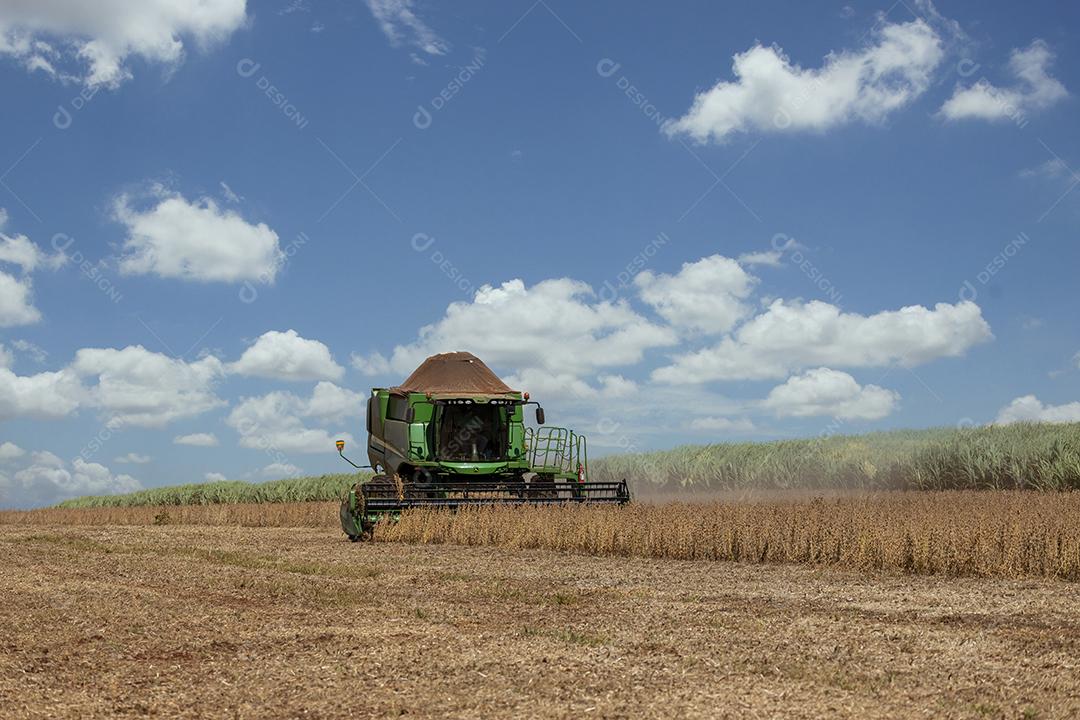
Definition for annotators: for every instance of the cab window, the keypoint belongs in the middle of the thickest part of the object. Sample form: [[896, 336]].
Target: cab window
[[395, 409]]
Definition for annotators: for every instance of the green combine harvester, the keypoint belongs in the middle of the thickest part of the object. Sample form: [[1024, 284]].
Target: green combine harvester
[[453, 435]]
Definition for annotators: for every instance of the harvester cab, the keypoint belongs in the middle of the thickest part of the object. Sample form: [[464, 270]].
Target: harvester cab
[[454, 435]]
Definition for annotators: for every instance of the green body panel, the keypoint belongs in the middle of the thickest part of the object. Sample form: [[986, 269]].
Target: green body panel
[[410, 449]]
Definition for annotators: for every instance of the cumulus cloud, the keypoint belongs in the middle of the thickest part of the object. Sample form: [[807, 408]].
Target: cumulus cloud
[[565, 386], [34, 352], [372, 364], [556, 326], [17, 301], [133, 459], [19, 250], [281, 470], [10, 451], [92, 42], [1030, 409], [287, 356], [277, 421], [331, 403], [401, 25], [822, 391], [48, 479], [197, 440], [768, 258], [48, 395], [137, 387], [195, 240], [16, 293], [771, 94], [794, 335], [214, 477], [1033, 90], [723, 424], [707, 295]]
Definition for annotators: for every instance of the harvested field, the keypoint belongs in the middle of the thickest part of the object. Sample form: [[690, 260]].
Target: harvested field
[[280, 622], [990, 534]]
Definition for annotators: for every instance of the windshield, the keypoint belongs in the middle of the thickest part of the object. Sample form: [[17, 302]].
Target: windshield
[[472, 433]]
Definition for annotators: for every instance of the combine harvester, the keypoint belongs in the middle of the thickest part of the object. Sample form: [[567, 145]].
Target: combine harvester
[[453, 435]]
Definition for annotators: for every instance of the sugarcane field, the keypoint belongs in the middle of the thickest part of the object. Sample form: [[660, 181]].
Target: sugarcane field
[[539, 360]]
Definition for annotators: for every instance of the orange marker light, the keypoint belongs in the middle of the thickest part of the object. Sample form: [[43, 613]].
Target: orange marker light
[[340, 445]]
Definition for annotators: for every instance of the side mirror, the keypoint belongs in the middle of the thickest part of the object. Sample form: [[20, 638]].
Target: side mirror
[[539, 416], [410, 414]]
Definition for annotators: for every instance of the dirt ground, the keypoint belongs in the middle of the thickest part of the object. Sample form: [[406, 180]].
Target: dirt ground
[[284, 622]]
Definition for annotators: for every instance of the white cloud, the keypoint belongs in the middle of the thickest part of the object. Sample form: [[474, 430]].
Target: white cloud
[[197, 241], [16, 293], [794, 335], [770, 94], [49, 395], [372, 364], [228, 194], [10, 451], [565, 386], [1053, 169], [281, 470], [822, 391], [400, 24], [19, 250], [7, 358], [287, 356], [1030, 409], [197, 440], [16, 302], [133, 459], [1034, 90], [707, 295], [556, 325], [90, 42], [35, 353], [768, 258], [137, 387], [48, 479], [214, 477], [3, 218], [334, 404], [275, 421], [723, 424]]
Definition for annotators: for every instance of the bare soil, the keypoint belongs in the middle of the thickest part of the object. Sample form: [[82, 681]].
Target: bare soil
[[181, 621]]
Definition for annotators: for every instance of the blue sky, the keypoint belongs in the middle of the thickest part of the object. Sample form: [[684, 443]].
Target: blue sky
[[222, 224]]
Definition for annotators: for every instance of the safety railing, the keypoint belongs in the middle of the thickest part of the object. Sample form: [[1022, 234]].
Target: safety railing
[[556, 450]]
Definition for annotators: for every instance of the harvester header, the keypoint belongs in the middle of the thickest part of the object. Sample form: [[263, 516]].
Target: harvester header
[[453, 434]]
